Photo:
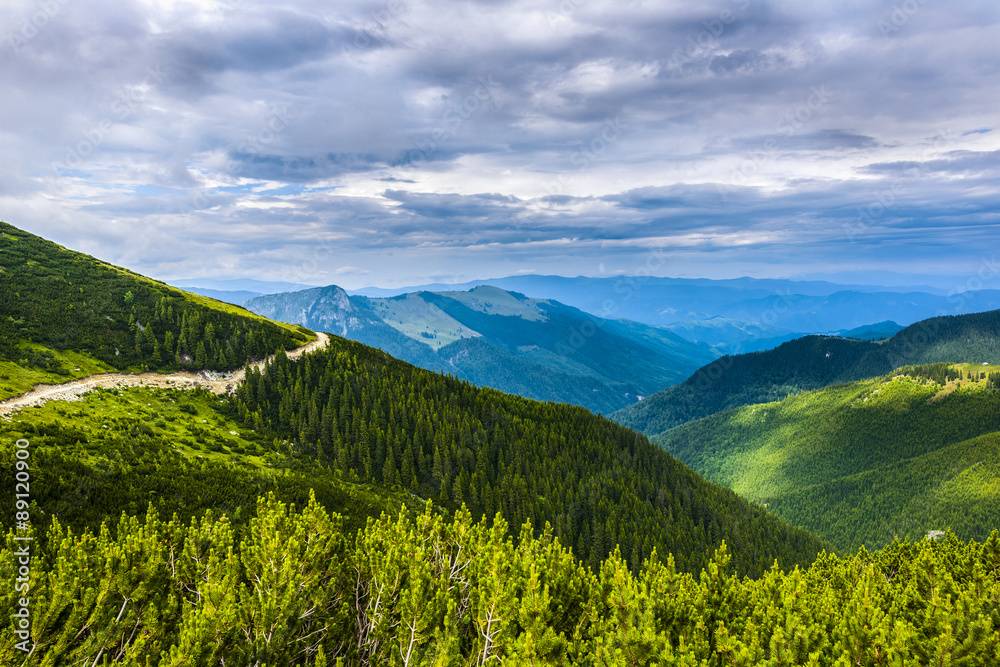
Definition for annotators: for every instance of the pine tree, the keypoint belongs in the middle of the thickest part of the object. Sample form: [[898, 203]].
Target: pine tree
[[201, 357]]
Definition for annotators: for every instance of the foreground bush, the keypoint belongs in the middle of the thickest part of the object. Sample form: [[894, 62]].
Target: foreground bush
[[294, 589]]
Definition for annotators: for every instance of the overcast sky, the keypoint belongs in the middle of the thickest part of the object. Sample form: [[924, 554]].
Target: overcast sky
[[402, 142]]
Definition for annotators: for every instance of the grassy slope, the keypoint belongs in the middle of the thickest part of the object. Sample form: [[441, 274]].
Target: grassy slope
[[16, 379], [859, 462], [423, 322], [119, 451], [76, 312]]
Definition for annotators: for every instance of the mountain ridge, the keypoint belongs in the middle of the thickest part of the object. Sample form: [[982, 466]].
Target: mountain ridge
[[863, 462], [813, 362], [538, 348]]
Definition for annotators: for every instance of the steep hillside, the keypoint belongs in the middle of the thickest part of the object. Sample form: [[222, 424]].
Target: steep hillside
[[64, 314], [813, 362], [859, 463], [362, 429], [598, 484], [531, 347]]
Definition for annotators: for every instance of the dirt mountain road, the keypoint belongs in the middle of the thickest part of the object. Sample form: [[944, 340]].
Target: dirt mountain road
[[43, 393]]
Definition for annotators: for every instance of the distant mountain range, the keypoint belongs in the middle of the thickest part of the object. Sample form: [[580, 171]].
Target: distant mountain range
[[238, 291], [731, 336], [257, 287], [788, 305], [731, 316], [537, 348]]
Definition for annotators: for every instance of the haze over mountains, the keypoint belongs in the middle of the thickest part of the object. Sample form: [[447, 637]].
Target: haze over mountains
[[537, 348], [731, 316], [803, 306]]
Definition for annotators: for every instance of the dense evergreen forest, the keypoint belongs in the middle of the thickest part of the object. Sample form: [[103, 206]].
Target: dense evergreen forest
[[859, 463], [386, 422], [386, 430], [294, 589], [172, 451], [64, 300], [813, 362]]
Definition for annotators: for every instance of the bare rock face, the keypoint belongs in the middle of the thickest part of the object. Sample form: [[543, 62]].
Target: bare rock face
[[322, 309]]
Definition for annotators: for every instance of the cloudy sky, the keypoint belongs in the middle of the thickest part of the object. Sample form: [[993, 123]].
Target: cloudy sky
[[403, 142]]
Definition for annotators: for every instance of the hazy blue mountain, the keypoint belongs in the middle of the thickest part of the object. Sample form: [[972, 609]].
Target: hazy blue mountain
[[537, 348], [789, 306], [731, 336], [851, 309], [877, 331]]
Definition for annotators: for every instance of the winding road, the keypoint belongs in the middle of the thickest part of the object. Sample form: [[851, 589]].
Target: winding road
[[73, 389]]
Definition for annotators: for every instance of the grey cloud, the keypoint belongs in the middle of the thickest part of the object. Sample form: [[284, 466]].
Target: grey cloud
[[954, 163], [377, 98], [444, 205], [301, 169], [745, 61], [820, 140]]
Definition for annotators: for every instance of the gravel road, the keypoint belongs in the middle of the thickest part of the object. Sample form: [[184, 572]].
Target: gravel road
[[74, 389]]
